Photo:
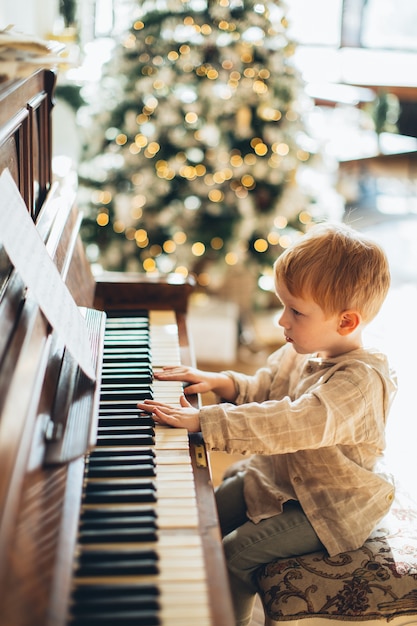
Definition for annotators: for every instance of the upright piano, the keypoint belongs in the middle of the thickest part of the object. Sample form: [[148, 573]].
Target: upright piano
[[105, 518]]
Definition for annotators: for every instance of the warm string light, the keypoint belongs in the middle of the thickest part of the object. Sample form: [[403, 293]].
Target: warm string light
[[189, 82], [169, 246]]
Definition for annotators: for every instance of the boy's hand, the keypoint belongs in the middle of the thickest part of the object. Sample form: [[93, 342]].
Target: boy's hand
[[200, 382], [185, 416]]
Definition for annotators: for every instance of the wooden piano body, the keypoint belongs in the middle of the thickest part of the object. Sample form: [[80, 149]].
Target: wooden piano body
[[40, 498]]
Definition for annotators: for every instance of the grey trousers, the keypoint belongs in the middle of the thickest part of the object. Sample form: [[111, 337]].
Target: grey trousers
[[248, 545]]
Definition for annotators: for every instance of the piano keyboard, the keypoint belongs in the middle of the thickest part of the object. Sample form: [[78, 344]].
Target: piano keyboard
[[139, 557]]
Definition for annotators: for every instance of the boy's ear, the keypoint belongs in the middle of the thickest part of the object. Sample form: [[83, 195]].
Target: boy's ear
[[349, 321]]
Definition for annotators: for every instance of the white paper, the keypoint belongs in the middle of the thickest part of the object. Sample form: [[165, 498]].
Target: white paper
[[31, 260]]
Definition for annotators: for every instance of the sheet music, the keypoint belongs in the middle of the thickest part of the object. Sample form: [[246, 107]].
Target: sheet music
[[31, 260]]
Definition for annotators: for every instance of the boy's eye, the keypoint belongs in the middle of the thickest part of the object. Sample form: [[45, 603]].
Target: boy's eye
[[296, 312]]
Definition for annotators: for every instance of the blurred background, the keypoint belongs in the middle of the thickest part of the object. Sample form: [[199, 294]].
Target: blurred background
[[204, 136]]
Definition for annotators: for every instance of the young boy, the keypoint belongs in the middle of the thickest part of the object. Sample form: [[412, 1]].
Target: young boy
[[313, 417]]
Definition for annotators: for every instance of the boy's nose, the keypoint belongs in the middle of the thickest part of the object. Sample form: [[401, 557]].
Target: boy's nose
[[282, 318]]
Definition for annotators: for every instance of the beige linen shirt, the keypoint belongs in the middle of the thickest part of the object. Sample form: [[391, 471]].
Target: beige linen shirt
[[316, 428]]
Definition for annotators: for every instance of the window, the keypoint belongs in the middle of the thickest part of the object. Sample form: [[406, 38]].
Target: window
[[389, 24], [315, 23], [374, 24]]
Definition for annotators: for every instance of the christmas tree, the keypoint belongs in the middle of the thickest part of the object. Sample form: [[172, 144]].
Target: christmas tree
[[192, 156]]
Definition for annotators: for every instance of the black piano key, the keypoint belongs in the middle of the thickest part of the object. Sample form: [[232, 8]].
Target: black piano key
[[108, 411], [138, 367], [118, 345], [121, 605], [116, 421], [128, 410], [105, 471], [143, 418], [136, 327], [113, 375], [140, 421], [120, 361], [117, 535], [126, 404], [117, 519], [124, 408], [123, 422], [102, 562], [116, 494], [118, 349], [139, 352], [97, 591], [146, 418], [94, 534], [128, 600], [119, 318], [103, 485], [137, 429], [131, 378], [127, 320], [126, 326], [110, 379], [118, 408], [123, 385], [125, 358], [126, 495], [139, 331], [90, 600], [127, 332], [127, 317], [123, 321], [115, 618], [139, 336], [124, 440], [123, 393], [128, 359], [142, 455], [126, 335], [107, 555], [115, 513]]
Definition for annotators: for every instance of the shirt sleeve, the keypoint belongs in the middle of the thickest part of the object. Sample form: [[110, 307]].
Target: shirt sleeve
[[274, 375], [343, 407]]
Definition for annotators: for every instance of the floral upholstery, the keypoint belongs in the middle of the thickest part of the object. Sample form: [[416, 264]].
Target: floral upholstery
[[379, 580]]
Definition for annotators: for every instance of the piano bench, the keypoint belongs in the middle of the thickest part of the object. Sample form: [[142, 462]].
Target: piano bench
[[374, 585]]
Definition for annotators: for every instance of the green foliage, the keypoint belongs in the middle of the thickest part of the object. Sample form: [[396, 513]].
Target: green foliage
[[385, 112], [68, 9], [194, 147], [71, 94]]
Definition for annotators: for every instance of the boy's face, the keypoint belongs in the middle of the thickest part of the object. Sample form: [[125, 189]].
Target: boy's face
[[307, 327]]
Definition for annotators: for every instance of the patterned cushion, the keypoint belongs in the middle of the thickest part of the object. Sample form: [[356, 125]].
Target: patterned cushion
[[379, 580]]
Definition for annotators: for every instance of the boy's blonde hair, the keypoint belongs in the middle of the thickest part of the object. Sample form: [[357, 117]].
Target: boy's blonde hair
[[338, 268]]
